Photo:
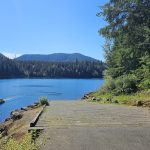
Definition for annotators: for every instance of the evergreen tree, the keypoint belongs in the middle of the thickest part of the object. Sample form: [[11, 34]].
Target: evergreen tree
[[127, 47], [77, 69]]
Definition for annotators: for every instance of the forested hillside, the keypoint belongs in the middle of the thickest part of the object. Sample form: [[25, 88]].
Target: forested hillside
[[77, 69], [9, 68], [127, 47], [56, 57]]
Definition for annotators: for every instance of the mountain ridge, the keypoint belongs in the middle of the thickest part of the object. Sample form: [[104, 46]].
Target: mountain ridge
[[10, 68], [56, 57]]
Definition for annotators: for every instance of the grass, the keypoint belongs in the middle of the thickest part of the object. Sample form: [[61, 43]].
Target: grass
[[24, 144], [122, 99], [44, 101]]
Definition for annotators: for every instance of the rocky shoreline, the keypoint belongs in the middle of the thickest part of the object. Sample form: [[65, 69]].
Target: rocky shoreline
[[89, 97], [14, 116]]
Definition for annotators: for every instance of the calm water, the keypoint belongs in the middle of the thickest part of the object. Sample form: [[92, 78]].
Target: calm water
[[22, 92]]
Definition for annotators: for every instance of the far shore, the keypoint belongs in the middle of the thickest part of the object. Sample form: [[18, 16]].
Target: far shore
[[1, 78]]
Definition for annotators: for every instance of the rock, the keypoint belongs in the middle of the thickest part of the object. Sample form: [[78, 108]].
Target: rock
[[2, 101], [115, 101], [7, 119], [16, 116], [134, 104], [98, 99], [36, 103], [85, 96], [23, 108], [109, 100], [4, 133], [16, 110], [139, 103], [93, 98], [32, 106], [90, 93], [2, 128], [146, 104], [12, 112]]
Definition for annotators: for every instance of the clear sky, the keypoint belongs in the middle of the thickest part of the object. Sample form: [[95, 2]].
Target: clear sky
[[51, 26]]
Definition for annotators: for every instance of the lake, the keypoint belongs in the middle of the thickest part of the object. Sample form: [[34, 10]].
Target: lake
[[22, 92]]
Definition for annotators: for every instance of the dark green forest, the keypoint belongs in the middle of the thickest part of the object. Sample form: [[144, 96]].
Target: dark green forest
[[127, 47], [32, 69]]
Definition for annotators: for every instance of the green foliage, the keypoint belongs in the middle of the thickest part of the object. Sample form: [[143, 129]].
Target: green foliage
[[44, 101], [85, 69], [35, 134], [127, 47], [131, 99], [109, 86], [125, 84], [24, 144]]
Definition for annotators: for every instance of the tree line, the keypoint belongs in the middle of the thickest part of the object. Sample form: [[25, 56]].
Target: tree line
[[127, 47], [31, 69]]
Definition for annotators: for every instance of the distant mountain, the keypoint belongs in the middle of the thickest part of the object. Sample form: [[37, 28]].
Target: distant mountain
[[56, 57], [10, 68]]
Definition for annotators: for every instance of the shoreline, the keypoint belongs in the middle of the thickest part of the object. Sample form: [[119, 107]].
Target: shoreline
[[19, 110], [17, 124], [5, 78], [139, 99]]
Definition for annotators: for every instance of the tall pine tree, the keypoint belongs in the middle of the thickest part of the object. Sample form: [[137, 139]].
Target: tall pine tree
[[127, 47]]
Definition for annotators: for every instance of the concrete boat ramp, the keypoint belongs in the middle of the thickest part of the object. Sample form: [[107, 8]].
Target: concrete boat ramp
[[80, 125]]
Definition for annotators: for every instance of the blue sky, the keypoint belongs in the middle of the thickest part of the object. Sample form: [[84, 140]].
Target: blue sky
[[48, 26]]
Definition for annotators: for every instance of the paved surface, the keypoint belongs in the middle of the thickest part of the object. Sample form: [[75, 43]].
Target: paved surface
[[78, 125]]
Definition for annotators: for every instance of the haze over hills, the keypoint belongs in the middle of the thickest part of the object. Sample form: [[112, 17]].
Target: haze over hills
[[56, 57]]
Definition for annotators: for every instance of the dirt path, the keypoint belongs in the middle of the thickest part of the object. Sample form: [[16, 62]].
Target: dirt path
[[78, 125]]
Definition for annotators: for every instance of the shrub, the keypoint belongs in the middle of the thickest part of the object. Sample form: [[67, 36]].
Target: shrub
[[145, 84], [109, 86], [125, 84], [24, 144], [44, 101]]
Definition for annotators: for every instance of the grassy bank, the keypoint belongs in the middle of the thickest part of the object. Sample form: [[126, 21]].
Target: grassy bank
[[15, 133], [14, 130], [143, 97]]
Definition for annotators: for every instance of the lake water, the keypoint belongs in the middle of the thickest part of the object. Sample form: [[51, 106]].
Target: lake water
[[22, 92]]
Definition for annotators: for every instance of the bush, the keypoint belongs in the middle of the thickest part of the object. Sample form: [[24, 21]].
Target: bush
[[125, 84], [44, 101], [24, 144], [145, 84], [109, 86]]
